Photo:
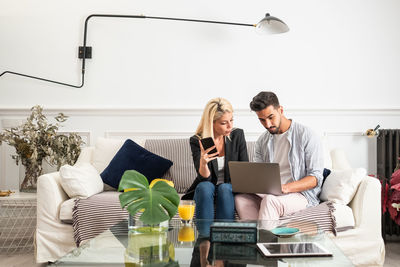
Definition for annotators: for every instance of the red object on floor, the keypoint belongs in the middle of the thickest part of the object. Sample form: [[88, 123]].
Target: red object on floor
[[391, 194], [395, 180], [394, 196]]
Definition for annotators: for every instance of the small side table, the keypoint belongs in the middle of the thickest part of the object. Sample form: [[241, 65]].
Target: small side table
[[17, 223]]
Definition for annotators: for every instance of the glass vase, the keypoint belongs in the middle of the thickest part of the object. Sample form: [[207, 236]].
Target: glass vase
[[149, 249], [29, 174], [135, 225]]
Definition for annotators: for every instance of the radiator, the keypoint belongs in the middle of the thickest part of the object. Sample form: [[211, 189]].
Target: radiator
[[388, 153]]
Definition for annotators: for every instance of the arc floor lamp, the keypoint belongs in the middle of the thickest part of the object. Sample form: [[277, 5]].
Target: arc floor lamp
[[268, 25]]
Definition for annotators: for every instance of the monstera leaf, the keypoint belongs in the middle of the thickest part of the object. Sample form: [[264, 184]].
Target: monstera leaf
[[160, 202]]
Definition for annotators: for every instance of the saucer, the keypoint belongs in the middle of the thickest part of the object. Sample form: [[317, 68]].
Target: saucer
[[285, 231]]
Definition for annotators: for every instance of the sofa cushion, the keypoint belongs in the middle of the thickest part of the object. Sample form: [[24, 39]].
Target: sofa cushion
[[325, 174], [341, 186], [344, 217], [105, 150], [339, 160], [251, 149], [132, 156], [66, 210], [81, 180], [182, 173], [326, 152]]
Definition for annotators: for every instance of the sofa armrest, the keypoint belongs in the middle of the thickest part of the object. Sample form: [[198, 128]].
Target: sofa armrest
[[366, 205], [50, 196], [53, 238]]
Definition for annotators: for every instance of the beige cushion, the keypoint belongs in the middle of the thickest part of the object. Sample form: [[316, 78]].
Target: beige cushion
[[341, 186], [104, 152], [326, 153], [343, 216], [66, 210], [339, 160], [81, 180]]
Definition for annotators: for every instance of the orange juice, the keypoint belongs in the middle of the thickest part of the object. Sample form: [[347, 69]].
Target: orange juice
[[186, 234], [186, 211]]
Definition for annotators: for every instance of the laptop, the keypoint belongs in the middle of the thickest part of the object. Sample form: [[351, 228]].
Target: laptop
[[255, 177]]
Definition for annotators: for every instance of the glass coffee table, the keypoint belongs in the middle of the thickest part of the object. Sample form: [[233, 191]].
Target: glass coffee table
[[189, 245]]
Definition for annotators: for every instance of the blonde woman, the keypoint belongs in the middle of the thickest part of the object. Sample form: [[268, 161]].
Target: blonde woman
[[212, 184]]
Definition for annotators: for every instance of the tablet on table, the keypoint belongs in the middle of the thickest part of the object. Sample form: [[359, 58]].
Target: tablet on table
[[293, 249]]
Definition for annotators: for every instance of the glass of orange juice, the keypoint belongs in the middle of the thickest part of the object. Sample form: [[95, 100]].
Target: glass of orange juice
[[186, 210], [186, 234]]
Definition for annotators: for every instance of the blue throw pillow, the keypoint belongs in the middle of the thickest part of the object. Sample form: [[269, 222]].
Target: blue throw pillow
[[132, 156]]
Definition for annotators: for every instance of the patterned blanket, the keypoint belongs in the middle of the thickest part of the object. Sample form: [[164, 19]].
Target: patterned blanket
[[98, 213]]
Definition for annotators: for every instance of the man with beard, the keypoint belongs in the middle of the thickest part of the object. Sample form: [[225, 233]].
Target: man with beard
[[299, 154]]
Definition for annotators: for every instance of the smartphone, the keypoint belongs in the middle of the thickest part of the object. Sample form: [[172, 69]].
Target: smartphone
[[207, 143]]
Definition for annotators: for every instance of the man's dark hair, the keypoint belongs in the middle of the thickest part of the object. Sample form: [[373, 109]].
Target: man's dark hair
[[263, 100]]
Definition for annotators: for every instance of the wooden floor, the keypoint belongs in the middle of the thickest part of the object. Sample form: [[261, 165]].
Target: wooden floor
[[392, 258]]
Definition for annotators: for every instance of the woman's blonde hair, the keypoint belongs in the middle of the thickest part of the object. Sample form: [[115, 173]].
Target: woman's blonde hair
[[214, 110]]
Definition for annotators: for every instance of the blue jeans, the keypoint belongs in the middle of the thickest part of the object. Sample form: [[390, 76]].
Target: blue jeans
[[205, 195]]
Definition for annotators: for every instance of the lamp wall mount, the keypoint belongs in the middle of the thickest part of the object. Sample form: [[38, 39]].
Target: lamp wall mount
[[85, 52], [274, 25]]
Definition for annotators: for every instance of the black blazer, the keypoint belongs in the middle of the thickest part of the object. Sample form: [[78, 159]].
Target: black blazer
[[235, 150]]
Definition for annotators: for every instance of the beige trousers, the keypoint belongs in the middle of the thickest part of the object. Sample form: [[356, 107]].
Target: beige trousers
[[268, 207]]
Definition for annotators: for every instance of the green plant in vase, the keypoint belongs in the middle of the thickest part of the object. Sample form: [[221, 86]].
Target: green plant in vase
[[158, 202], [37, 140], [149, 249]]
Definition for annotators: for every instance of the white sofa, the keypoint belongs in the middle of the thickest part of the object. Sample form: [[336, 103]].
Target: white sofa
[[363, 244]]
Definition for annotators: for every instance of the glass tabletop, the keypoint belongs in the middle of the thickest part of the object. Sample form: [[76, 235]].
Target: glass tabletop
[[190, 245]]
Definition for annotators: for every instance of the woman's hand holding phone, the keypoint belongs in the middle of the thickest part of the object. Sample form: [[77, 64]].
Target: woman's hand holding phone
[[206, 158], [208, 142]]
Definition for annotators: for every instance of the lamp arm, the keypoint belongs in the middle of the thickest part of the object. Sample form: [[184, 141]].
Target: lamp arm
[[117, 16], [204, 21], [43, 79]]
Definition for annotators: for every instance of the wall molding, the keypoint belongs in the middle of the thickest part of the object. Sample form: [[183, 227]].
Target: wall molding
[[161, 135], [344, 134], [127, 134], [127, 111]]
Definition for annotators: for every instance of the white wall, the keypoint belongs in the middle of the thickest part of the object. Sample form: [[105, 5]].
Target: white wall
[[339, 128], [336, 70], [338, 53]]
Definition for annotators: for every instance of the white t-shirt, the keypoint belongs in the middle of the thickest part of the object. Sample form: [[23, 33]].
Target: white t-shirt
[[221, 164], [281, 156]]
